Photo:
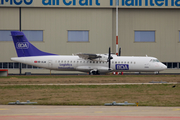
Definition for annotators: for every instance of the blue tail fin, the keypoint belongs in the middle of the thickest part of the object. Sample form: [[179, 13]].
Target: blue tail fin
[[24, 48]]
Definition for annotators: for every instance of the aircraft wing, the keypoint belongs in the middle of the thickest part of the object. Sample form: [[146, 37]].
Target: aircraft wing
[[88, 56]]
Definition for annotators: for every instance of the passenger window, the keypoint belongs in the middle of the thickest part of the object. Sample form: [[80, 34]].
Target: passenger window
[[97, 62], [116, 62]]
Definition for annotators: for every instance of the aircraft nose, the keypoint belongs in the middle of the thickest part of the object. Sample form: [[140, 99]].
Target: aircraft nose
[[163, 66]]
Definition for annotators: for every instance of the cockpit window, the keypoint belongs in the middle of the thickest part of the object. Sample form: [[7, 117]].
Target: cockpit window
[[154, 60], [157, 60]]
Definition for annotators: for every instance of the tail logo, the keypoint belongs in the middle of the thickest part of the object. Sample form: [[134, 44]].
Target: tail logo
[[22, 45]]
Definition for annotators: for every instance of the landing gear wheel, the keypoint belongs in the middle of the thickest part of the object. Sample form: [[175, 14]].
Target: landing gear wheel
[[90, 73], [94, 73]]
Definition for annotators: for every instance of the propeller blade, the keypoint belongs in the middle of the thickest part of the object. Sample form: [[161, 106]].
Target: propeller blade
[[119, 51], [109, 58]]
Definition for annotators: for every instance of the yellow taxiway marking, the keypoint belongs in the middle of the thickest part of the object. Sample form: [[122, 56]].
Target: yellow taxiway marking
[[178, 109], [98, 111]]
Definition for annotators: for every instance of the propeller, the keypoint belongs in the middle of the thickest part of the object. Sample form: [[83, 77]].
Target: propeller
[[119, 52], [109, 58]]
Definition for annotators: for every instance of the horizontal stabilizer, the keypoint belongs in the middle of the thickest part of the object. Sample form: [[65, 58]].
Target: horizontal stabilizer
[[16, 34]]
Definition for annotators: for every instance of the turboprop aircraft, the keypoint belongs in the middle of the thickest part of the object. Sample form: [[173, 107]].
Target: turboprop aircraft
[[92, 63]]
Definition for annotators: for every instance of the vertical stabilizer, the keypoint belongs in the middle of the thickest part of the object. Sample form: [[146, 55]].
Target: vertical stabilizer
[[24, 48]]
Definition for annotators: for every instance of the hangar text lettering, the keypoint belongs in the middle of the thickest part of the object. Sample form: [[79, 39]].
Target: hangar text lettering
[[17, 2], [70, 2], [147, 2], [127, 3]]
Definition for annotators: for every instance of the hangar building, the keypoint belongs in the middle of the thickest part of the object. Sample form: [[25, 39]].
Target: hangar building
[[146, 27]]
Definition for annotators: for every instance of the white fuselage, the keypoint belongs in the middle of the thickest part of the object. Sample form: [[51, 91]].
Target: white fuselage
[[74, 63]]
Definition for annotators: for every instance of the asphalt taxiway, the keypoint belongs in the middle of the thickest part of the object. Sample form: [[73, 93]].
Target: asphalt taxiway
[[36, 112]]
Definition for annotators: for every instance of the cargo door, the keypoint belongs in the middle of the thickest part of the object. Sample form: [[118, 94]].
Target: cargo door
[[50, 64]]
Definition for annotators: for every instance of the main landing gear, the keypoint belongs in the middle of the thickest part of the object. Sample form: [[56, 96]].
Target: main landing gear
[[92, 72]]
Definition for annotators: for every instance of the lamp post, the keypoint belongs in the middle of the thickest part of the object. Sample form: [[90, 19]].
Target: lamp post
[[117, 5]]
